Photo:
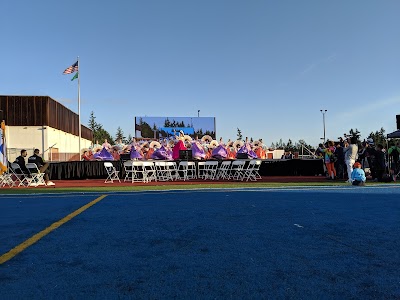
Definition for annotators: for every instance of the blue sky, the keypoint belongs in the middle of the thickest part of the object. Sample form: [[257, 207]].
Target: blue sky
[[266, 67]]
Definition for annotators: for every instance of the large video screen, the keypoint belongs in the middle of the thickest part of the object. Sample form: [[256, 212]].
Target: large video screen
[[165, 127]]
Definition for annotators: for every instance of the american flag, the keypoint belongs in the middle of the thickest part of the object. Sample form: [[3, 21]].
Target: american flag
[[71, 69]]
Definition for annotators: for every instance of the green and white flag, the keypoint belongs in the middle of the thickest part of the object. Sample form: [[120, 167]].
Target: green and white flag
[[75, 76]]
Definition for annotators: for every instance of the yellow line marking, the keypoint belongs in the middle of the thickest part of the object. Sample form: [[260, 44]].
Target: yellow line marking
[[32, 240]]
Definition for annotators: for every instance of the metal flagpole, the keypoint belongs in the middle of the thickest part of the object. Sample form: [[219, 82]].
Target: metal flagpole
[[79, 107]]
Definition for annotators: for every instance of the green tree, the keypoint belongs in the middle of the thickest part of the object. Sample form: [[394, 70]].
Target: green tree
[[289, 146], [379, 137], [128, 139], [92, 122], [303, 148], [120, 134], [239, 134], [280, 144], [353, 133], [147, 132], [99, 133]]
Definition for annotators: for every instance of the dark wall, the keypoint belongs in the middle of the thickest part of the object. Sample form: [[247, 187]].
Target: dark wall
[[40, 111]]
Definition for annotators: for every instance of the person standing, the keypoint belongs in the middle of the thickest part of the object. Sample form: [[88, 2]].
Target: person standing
[[350, 156], [394, 153], [370, 153], [339, 164], [329, 159], [380, 163]]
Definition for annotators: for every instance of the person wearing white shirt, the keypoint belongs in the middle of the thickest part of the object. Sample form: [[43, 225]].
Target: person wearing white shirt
[[350, 155]]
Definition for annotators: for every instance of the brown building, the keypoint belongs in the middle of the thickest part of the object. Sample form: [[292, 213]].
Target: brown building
[[40, 122]]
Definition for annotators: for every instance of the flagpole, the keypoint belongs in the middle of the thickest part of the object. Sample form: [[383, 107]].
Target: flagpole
[[79, 108]]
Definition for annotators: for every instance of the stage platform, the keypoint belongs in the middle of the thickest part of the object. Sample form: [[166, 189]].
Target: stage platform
[[77, 170]]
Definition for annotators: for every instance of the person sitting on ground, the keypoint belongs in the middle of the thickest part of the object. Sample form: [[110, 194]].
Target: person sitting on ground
[[20, 160], [358, 175], [41, 165]]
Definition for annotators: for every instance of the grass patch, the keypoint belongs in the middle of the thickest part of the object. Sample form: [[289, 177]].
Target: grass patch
[[161, 187]]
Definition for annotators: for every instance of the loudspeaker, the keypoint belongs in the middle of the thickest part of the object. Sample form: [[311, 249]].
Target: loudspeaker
[[185, 154], [124, 157], [242, 156], [398, 121]]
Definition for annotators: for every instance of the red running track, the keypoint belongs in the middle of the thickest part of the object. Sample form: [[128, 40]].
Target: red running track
[[101, 183]]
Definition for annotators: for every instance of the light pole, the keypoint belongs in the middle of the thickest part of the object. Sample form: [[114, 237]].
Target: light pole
[[323, 111], [198, 113]]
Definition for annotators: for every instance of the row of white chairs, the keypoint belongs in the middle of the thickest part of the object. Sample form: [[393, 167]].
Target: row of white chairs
[[146, 171], [15, 177], [230, 170]]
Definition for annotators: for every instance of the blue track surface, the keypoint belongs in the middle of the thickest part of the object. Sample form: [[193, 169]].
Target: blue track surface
[[333, 243]]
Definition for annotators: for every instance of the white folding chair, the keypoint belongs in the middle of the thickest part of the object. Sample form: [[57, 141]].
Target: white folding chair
[[256, 170], [172, 170], [138, 171], [251, 171], [161, 171], [149, 171], [165, 170], [19, 177], [201, 174], [128, 170], [112, 173], [188, 170], [223, 169], [210, 169], [36, 177], [7, 179], [236, 171]]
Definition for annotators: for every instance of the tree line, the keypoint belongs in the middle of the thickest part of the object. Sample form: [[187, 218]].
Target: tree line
[[379, 137], [100, 134]]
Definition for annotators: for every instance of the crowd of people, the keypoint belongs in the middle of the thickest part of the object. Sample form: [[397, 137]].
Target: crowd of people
[[348, 160], [204, 148], [345, 159]]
